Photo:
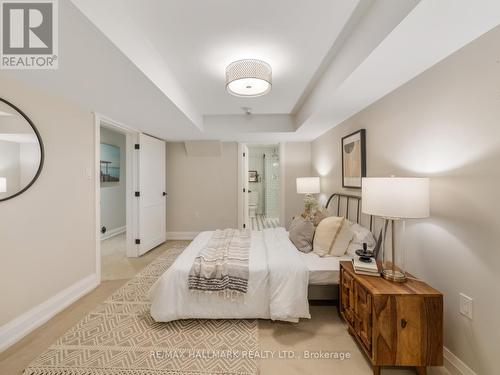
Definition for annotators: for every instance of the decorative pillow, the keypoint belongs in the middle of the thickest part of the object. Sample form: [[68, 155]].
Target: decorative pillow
[[301, 232], [332, 237], [342, 241], [362, 235]]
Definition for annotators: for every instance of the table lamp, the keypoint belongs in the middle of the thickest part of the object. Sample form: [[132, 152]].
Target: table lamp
[[308, 186], [395, 198]]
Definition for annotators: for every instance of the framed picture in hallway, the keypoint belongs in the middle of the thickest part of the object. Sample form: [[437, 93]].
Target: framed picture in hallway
[[253, 176], [353, 159], [110, 163]]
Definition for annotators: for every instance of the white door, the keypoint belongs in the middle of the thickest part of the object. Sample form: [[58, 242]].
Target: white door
[[152, 200], [246, 216]]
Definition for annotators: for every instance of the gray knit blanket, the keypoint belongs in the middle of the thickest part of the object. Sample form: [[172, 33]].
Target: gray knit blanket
[[222, 265]]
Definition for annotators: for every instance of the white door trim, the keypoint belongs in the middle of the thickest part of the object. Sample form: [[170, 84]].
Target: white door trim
[[240, 185], [131, 182]]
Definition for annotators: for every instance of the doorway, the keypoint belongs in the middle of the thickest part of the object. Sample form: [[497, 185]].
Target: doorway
[[261, 186], [114, 177], [130, 197]]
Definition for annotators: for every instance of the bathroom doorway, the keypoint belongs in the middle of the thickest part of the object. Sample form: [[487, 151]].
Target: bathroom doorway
[[262, 175]]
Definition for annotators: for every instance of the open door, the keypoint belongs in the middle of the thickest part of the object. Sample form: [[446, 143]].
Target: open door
[[152, 195], [246, 216]]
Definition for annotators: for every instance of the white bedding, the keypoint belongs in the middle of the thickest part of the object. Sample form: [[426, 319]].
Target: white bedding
[[323, 270], [277, 285], [326, 270]]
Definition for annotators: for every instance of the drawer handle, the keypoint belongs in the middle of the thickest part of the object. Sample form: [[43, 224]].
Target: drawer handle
[[403, 323]]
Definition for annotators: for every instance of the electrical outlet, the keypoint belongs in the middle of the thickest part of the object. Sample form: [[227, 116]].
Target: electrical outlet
[[466, 305]]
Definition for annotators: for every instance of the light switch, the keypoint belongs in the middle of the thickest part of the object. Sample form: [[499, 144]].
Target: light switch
[[466, 303], [88, 173]]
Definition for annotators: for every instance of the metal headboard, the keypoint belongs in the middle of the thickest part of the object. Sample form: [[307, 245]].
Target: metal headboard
[[349, 206]]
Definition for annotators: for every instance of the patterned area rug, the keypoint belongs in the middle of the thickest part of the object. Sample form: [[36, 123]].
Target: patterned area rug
[[120, 338]]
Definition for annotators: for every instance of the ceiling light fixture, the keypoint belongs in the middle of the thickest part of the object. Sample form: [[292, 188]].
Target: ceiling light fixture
[[248, 78]]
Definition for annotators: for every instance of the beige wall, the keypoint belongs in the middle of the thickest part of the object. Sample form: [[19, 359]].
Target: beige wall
[[297, 164], [47, 235], [444, 124], [201, 189]]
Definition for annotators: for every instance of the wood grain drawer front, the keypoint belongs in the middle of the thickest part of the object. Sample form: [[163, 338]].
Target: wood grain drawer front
[[347, 297], [408, 331], [363, 315]]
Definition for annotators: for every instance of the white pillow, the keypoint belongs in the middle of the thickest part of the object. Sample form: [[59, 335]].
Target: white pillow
[[362, 234]]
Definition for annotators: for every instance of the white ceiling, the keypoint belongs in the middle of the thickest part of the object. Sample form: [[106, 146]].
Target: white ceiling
[[158, 65], [198, 39]]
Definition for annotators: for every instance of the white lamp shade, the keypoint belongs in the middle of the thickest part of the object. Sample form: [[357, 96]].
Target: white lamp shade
[[3, 185], [396, 197], [308, 185]]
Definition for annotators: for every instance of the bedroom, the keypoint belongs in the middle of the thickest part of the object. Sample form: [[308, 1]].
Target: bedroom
[[426, 96]]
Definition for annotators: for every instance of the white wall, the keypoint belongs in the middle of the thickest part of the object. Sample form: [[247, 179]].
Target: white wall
[[444, 124], [47, 234], [201, 189], [113, 204], [297, 164]]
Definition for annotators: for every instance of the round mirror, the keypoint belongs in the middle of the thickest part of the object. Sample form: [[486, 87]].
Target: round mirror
[[21, 151]]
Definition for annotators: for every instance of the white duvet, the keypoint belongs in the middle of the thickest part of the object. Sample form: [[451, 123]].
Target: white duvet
[[277, 285]]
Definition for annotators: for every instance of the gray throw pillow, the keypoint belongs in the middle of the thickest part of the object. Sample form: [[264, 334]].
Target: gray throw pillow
[[301, 233]]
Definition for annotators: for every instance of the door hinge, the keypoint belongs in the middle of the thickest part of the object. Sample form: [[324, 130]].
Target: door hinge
[[244, 154], [244, 226], [137, 193], [137, 146], [244, 190], [137, 241]]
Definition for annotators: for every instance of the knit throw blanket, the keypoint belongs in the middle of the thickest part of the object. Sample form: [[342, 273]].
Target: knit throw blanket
[[222, 265]]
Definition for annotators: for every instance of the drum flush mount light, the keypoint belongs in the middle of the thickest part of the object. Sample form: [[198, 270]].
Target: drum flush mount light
[[248, 78]]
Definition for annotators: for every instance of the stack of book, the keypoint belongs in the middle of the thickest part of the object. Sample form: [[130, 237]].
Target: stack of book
[[364, 268]]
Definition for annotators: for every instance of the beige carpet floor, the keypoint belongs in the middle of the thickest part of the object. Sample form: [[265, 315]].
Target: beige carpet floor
[[120, 337], [325, 332]]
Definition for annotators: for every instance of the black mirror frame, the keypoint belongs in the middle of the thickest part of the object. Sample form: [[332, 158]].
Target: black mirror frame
[[42, 153]]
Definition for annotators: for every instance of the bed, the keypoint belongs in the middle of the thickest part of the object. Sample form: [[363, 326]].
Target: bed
[[281, 281], [277, 286], [324, 271]]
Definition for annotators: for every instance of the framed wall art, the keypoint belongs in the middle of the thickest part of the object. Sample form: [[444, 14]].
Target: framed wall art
[[353, 159]]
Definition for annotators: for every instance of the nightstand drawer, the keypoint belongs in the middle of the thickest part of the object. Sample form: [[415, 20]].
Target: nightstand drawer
[[347, 297], [363, 315]]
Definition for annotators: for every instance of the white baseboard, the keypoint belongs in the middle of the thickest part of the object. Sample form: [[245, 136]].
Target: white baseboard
[[19, 327], [455, 365], [113, 232], [181, 235]]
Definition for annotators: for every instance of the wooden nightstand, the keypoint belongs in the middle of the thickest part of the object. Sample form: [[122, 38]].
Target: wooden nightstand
[[396, 324]]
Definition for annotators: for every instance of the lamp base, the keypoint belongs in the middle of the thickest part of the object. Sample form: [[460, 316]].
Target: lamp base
[[393, 275]]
